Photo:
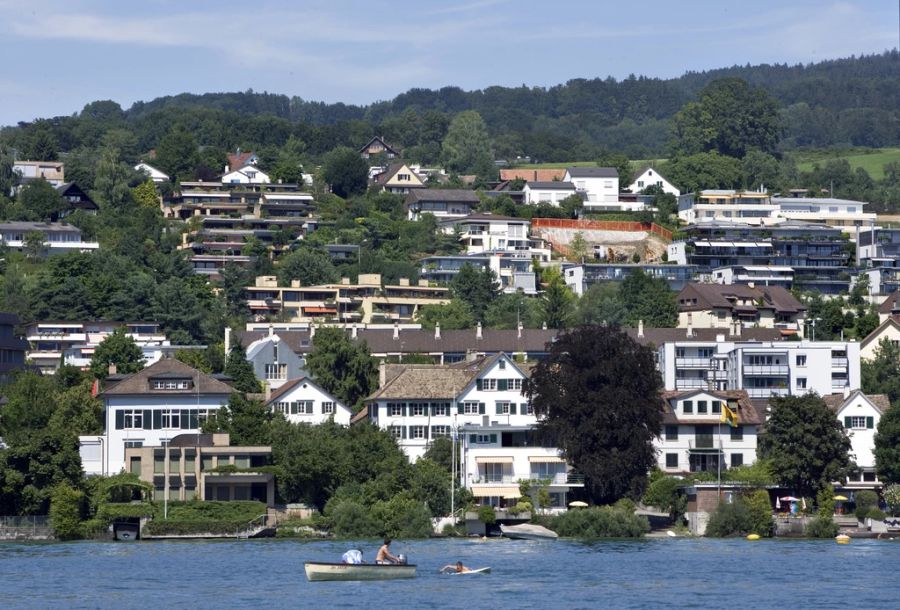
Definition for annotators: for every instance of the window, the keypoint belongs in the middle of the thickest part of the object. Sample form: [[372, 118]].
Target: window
[[190, 463], [135, 467], [417, 408], [282, 407], [394, 409], [276, 371], [525, 408], [671, 433], [737, 459], [801, 360], [858, 422], [175, 461], [489, 385], [301, 407], [441, 409], [640, 184], [159, 464], [396, 431], [687, 406], [327, 408], [717, 406], [514, 384], [171, 418], [801, 383], [502, 365], [503, 408], [417, 432], [134, 444], [671, 460], [440, 431], [470, 408], [171, 384], [737, 433], [223, 460], [701, 406], [482, 439], [206, 462]]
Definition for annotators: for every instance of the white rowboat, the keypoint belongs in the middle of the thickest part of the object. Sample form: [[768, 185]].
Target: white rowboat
[[357, 571], [528, 531]]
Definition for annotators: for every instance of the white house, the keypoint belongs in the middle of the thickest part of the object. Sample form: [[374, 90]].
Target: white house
[[154, 174], [249, 174], [149, 408], [419, 403], [304, 401], [694, 439], [274, 362], [57, 237], [647, 176], [748, 207], [547, 192], [827, 210], [889, 329], [860, 413], [598, 185]]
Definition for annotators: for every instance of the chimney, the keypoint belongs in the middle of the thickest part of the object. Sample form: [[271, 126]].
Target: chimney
[[846, 391], [268, 390], [690, 328], [640, 329], [271, 330], [382, 374], [353, 332], [112, 368], [519, 327], [478, 334], [227, 340], [396, 330], [437, 331]]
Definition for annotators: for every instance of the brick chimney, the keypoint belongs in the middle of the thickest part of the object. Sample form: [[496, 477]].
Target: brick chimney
[[478, 334], [437, 331], [640, 329]]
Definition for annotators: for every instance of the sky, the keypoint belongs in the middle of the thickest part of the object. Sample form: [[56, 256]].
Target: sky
[[59, 55]]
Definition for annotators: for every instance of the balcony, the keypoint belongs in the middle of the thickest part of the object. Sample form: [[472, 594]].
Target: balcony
[[692, 363], [690, 384], [767, 370], [840, 363], [716, 375], [704, 443], [766, 392]]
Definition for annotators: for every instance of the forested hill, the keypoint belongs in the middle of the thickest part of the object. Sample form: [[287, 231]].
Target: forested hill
[[846, 101]]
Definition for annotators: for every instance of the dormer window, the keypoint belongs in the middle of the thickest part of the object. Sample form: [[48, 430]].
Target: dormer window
[[171, 384]]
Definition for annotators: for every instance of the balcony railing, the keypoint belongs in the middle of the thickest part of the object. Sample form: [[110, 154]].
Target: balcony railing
[[690, 384], [692, 363], [768, 370], [560, 478], [839, 362], [766, 392]]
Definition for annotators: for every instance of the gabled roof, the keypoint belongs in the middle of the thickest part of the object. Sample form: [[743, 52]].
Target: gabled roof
[[443, 195], [890, 305], [84, 200], [879, 331], [643, 169], [392, 170], [556, 185], [717, 295], [747, 411], [836, 402], [380, 139], [593, 172], [291, 384], [168, 368], [239, 159], [532, 175]]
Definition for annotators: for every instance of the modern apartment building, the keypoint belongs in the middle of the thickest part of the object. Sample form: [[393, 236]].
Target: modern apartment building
[[749, 207], [56, 237], [581, 277]]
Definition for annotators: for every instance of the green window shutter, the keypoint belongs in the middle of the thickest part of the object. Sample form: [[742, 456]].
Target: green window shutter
[[433, 409], [493, 438], [148, 422], [472, 438], [402, 431], [120, 419], [460, 408], [157, 419], [403, 410], [524, 410], [870, 422], [512, 408], [499, 407], [478, 384], [185, 419], [847, 422], [481, 408], [502, 385]]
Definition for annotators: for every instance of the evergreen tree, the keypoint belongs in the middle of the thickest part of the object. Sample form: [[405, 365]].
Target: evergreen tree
[[239, 369], [887, 445], [118, 349], [476, 288], [649, 299], [344, 368], [557, 302]]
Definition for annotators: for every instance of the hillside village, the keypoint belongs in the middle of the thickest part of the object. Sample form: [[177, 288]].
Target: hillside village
[[215, 329]]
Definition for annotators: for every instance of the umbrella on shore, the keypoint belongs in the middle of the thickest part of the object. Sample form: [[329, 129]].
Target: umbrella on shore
[[841, 498], [789, 499]]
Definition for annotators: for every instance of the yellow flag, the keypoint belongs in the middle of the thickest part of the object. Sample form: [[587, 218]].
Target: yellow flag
[[729, 416]]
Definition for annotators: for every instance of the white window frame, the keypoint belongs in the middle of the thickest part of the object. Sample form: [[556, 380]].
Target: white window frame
[[417, 432], [328, 407], [858, 422], [395, 409], [514, 384], [489, 385], [470, 407]]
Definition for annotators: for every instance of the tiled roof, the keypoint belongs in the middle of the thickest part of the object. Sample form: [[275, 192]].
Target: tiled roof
[[238, 160], [716, 295], [443, 195], [894, 321], [890, 304], [836, 401], [556, 185], [289, 385], [532, 175], [593, 172], [748, 413], [139, 383]]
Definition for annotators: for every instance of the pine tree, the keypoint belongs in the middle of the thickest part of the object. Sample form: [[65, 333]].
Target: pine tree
[[239, 369]]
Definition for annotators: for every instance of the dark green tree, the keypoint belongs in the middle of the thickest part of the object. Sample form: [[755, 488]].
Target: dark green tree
[[40, 201], [177, 154], [455, 315], [708, 170], [476, 288], [760, 169], [729, 117], [649, 299], [247, 421], [887, 445], [346, 172], [881, 374], [311, 267], [41, 144], [597, 397], [510, 310], [557, 302], [466, 148], [111, 190], [239, 369], [118, 349], [344, 368], [805, 444], [602, 304]]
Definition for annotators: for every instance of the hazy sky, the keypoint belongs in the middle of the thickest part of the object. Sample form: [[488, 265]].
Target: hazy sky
[[60, 54]]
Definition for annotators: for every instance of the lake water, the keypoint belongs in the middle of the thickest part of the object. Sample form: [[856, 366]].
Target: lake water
[[671, 573]]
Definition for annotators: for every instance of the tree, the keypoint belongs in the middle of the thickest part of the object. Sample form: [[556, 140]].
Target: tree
[[805, 443], [578, 248], [621, 163], [887, 445], [760, 169], [467, 147], [430, 482], [177, 153], [602, 304], [510, 310], [247, 421], [344, 368], [729, 117], [40, 201], [311, 267], [708, 170], [146, 195], [345, 171], [597, 397], [476, 288], [34, 247], [118, 349], [881, 374], [239, 369], [557, 301], [454, 315], [649, 299], [41, 145], [111, 190]]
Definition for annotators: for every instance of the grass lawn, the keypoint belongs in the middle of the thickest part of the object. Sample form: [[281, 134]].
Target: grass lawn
[[872, 160]]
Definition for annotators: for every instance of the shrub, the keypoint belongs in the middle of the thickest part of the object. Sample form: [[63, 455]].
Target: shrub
[[599, 522], [351, 519], [892, 497], [664, 494], [66, 506], [403, 517], [487, 514], [759, 508], [876, 514], [865, 501], [822, 527], [730, 519]]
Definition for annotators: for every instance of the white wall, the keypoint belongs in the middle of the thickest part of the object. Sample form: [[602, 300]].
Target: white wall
[[309, 392]]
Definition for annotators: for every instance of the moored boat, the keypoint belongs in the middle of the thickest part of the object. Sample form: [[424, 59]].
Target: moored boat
[[528, 531], [357, 571]]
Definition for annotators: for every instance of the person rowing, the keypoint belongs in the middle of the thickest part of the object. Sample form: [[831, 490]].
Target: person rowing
[[458, 568], [384, 554]]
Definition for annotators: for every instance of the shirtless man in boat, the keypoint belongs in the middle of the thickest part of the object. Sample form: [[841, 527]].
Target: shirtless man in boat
[[384, 554], [459, 568]]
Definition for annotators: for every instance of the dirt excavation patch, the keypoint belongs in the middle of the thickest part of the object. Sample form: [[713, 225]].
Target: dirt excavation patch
[[609, 246]]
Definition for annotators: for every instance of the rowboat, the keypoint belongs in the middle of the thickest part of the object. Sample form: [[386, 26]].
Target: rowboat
[[528, 531], [357, 571]]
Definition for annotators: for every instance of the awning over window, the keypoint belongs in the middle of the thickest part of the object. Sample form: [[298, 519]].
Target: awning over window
[[545, 459], [494, 459], [501, 491], [312, 309]]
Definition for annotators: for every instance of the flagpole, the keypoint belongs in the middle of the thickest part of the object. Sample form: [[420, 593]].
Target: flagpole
[[719, 465]]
